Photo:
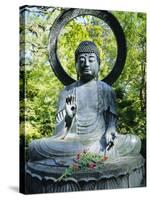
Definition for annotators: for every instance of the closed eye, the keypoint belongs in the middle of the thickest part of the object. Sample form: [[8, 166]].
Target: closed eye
[[92, 59], [82, 60]]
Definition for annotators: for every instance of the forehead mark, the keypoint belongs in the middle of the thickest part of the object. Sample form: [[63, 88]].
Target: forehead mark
[[87, 55]]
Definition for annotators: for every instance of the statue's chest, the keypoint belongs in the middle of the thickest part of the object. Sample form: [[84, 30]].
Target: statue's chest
[[87, 99]]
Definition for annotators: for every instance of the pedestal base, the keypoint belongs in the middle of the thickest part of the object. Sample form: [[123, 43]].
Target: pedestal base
[[124, 172]]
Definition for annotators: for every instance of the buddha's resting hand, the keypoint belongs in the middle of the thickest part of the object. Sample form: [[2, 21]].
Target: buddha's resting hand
[[110, 136], [70, 106]]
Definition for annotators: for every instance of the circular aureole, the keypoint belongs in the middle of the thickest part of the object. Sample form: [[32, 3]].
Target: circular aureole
[[108, 18]]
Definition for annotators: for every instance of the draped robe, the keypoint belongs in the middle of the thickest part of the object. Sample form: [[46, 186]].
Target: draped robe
[[95, 113]]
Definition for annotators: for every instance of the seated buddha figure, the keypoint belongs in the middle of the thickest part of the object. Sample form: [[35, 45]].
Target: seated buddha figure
[[86, 117]]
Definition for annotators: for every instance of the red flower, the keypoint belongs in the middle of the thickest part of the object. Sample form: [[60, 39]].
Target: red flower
[[91, 165], [78, 156]]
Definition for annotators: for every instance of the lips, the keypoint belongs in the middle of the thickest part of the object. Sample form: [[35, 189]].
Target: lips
[[86, 70]]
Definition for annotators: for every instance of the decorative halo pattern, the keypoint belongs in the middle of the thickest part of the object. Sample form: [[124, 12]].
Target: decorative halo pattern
[[109, 19]]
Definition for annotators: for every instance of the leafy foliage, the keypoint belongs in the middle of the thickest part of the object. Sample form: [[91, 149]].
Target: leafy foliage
[[39, 88], [84, 161]]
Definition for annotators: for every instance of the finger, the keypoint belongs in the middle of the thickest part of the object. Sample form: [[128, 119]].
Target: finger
[[73, 99], [69, 99]]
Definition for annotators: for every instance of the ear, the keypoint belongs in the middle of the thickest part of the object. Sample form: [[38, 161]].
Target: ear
[[76, 65]]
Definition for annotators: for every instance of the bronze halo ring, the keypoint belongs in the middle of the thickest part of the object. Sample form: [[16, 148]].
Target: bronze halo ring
[[69, 14]]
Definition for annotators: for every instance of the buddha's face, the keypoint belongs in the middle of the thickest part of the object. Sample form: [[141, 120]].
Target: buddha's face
[[87, 66]]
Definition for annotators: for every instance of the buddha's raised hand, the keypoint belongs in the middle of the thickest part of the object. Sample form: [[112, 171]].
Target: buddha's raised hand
[[70, 106]]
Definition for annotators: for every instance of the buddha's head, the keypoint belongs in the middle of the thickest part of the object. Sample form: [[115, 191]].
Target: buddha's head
[[87, 61]]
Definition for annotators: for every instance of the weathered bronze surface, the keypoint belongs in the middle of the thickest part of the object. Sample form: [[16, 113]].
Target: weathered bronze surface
[[86, 117], [85, 121]]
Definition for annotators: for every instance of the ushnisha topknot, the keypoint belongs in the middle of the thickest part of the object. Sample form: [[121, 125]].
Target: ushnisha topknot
[[87, 47]]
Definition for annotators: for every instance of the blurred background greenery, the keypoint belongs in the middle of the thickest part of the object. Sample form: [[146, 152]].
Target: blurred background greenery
[[39, 87]]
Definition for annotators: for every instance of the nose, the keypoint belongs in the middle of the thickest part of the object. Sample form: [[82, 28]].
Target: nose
[[86, 62]]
